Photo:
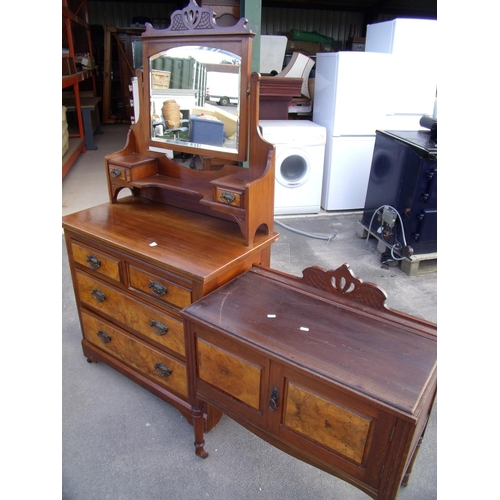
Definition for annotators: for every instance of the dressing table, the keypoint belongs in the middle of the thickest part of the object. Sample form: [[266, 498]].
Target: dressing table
[[170, 234]]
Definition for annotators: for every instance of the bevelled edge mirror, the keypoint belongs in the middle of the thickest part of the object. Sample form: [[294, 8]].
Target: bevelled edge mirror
[[189, 68]]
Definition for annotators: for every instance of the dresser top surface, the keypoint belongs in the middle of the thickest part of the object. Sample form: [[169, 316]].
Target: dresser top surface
[[178, 240], [382, 359]]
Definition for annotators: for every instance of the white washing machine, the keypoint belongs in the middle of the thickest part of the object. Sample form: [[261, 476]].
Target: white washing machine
[[300, 152]]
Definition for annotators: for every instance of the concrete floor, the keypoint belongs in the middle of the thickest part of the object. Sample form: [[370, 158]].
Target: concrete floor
[[121, 442]]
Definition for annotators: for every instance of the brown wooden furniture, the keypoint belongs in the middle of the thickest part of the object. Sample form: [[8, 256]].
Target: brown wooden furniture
[[242, 195], [134, 265], [138, 260], [276, 94], [318, 367]]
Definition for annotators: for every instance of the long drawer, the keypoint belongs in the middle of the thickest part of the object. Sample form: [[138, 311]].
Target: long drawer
[[135, 316], [156, 365]]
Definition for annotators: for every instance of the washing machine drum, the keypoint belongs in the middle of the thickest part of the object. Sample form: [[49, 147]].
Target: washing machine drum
[[292, 168]]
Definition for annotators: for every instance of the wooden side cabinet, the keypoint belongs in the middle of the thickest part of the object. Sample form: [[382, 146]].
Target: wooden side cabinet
[[318, 367]]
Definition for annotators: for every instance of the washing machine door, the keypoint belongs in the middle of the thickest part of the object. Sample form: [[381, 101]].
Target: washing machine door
[[293, 167]]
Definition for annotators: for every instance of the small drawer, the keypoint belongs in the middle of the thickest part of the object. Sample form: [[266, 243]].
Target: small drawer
[[161, 328], [118, 173], [132, 167], [160, 288], [156, 365], [228, 197], [96, 260]]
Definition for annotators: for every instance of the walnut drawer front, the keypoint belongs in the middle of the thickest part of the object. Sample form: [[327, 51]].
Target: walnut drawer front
[[156, 365], [160, 288], [150, 322], [97, 261]]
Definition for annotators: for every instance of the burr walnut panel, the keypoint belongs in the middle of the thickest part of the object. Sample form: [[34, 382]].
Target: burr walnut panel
[[326, 423], [229, 373]]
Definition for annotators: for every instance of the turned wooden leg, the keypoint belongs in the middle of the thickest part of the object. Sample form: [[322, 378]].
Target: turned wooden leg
[[198, 423]]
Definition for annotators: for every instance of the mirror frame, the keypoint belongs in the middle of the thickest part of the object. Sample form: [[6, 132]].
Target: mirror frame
[[197, 26]]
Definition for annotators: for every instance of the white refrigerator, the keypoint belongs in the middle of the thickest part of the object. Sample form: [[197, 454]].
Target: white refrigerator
[[390, 86], [351, 93], [413, 45]]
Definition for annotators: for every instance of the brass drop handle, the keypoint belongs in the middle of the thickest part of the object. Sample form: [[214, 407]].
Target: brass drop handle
[[162, 370], [157, 288], [158, 327], [93, 262], [103, 337], [273, 400], [98, 295], [227, 197], [115, 172]]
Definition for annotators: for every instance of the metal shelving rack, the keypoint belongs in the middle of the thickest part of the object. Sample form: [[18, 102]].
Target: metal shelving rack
[[75, 16]]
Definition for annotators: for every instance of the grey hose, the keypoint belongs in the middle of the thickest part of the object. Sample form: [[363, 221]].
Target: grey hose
[[303, 233]]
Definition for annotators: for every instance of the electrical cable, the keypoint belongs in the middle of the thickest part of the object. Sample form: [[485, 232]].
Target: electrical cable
[[402, 230], [310, 235]]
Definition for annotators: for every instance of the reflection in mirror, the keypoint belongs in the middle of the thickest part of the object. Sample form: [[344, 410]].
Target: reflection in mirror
[[195, 97]]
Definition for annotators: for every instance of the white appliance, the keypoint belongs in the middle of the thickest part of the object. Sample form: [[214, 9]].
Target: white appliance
[[272, 53], [413, 45], [350, 99], [390, 86], [300, 151]]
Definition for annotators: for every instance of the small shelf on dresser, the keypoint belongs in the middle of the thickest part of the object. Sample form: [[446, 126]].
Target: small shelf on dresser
[[142, 171]]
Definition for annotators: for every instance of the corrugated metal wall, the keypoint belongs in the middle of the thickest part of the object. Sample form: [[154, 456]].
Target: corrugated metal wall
[[275, 21], [121, 14]]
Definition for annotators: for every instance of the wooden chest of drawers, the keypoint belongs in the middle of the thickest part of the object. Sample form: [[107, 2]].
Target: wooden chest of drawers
[[318, 367], [135, 264]]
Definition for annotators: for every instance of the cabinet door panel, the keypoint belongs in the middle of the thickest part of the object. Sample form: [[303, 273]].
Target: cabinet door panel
[[326, 423], [229, 373], [344, 432]]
